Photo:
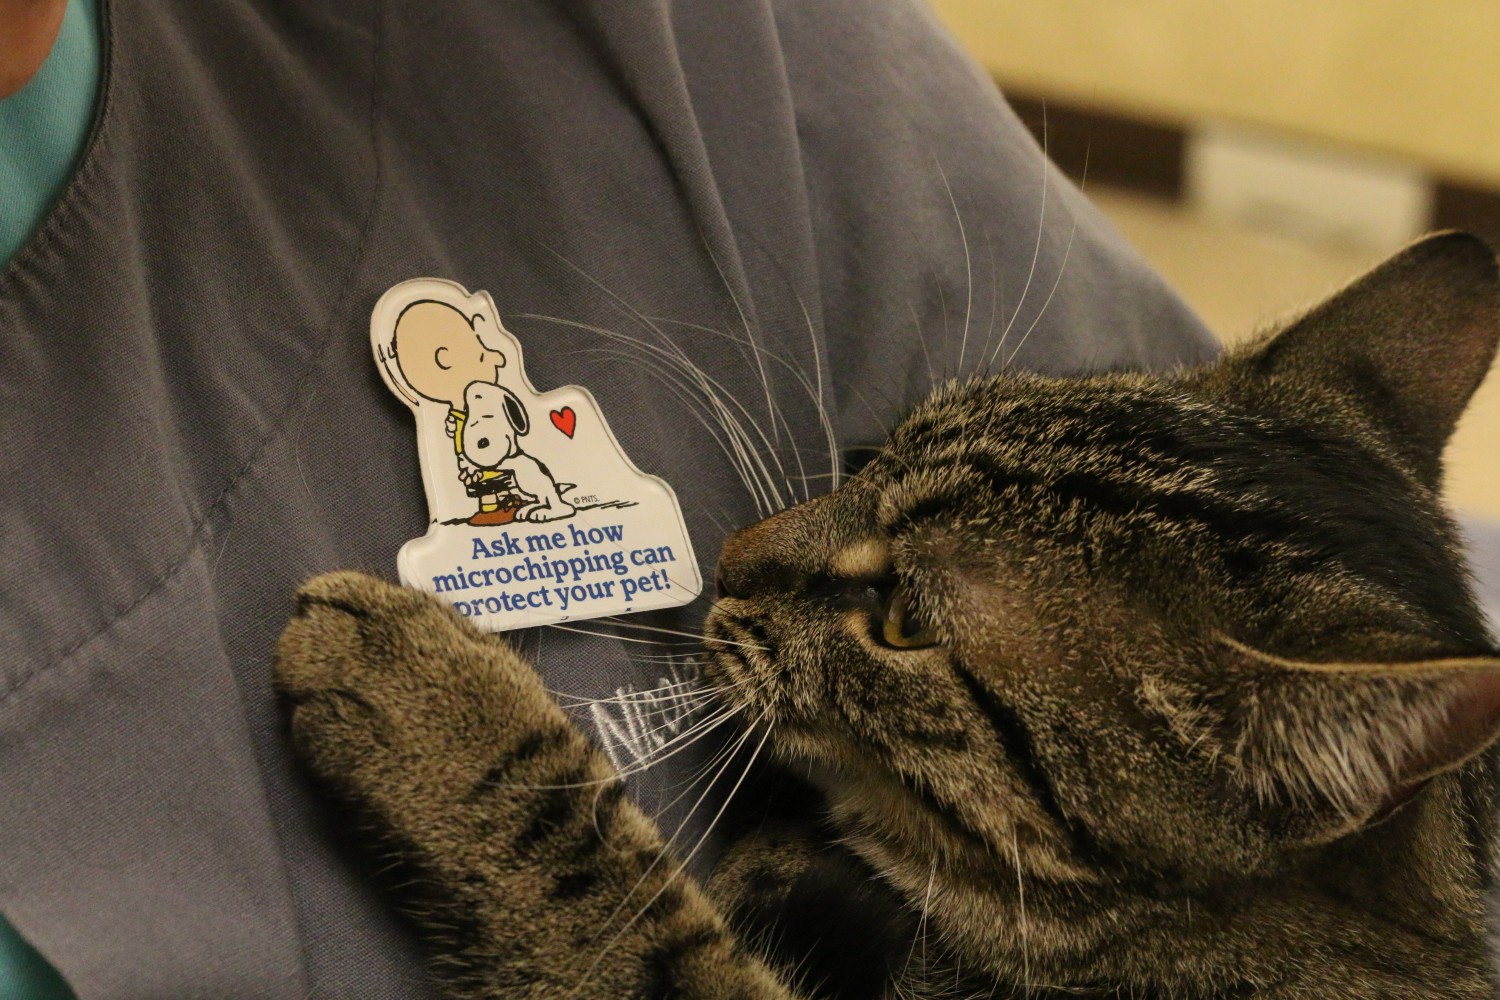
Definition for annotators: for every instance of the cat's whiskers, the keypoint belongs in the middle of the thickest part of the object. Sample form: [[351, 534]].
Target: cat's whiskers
[[932, 379], [665, 693], [752, 451], [699, 637], [830, 436], [712, 823], [611, 635], [643, 627], [1036, 251], [744, 440], [813, 388], [963, 237], [710, 771], [668, 659], [989, 330], [703, 397], [728, 757], [729, 433], [701, 773], [1022, 927], [682, 741], [921, 932], [692, 735], [710, 388], [678, 705], [686, 739], [680, 699], [1061, 267], [744, 322], [697, 390]]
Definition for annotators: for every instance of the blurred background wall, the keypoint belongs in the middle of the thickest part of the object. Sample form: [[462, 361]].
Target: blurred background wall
[[1414, 79], [1262, 153]]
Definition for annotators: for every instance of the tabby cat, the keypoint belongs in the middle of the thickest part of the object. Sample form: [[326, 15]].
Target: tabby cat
[[1119, 686]]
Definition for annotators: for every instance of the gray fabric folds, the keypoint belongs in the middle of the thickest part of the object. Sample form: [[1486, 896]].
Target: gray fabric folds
[[817, 200]]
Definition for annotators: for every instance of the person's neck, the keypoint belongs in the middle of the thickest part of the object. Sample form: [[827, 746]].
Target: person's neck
[[27, 30]]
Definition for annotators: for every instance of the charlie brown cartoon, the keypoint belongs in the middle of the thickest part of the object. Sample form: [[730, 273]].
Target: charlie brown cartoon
[[440, 354]]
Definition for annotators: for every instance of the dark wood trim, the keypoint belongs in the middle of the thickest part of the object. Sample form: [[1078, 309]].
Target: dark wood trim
[[1151, 157], [1115, 149], [1461, 206]]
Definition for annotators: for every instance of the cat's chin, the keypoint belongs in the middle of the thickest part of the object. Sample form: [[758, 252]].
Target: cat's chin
[[862, 796], [848, 780], [823, 775], [829, 763]]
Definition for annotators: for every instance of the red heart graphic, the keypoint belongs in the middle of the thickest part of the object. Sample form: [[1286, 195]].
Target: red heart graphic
[[565, 420]]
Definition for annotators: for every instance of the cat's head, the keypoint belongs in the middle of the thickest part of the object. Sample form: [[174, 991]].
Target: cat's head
[[1172, 626]]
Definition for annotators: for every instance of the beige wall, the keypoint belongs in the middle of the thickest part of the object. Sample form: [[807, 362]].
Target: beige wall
[[1419, 78]]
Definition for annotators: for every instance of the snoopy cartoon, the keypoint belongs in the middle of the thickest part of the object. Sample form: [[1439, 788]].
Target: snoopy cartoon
[[495, 419]]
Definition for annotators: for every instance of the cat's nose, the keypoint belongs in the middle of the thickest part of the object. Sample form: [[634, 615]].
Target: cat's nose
[[775, 556], [733, 577], [755, 559], [736, 570]]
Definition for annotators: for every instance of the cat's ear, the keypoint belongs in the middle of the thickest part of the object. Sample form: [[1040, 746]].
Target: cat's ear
[[1406, 344], [1331, 747]]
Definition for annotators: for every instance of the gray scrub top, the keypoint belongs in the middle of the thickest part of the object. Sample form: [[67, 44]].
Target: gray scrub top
[[817, 200]]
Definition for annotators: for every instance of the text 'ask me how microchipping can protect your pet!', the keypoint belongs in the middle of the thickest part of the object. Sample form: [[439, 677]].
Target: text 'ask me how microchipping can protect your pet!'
[[535, 513]]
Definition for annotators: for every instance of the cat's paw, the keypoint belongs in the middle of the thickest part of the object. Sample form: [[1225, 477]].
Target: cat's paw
[[383, 681], [519, 848]]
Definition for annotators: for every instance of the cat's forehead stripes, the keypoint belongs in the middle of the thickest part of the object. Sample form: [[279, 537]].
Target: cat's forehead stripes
[[1115, 447], [1145, 426], [1248, 491]]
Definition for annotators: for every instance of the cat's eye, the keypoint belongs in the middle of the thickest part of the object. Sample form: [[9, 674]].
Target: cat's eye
[[901, 627]]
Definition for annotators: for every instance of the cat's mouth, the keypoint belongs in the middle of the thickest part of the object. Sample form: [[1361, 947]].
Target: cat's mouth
[[732, 642]]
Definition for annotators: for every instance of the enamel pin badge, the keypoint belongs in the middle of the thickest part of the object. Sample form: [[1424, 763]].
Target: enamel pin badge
[[536, 514]]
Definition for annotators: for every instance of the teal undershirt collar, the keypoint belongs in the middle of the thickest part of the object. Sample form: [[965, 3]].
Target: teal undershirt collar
[[25, 975], [43, 127]]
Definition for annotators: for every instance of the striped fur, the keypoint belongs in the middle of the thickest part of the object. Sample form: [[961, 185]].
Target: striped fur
[[1192, 701], [1207, 712], [512, 842]]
